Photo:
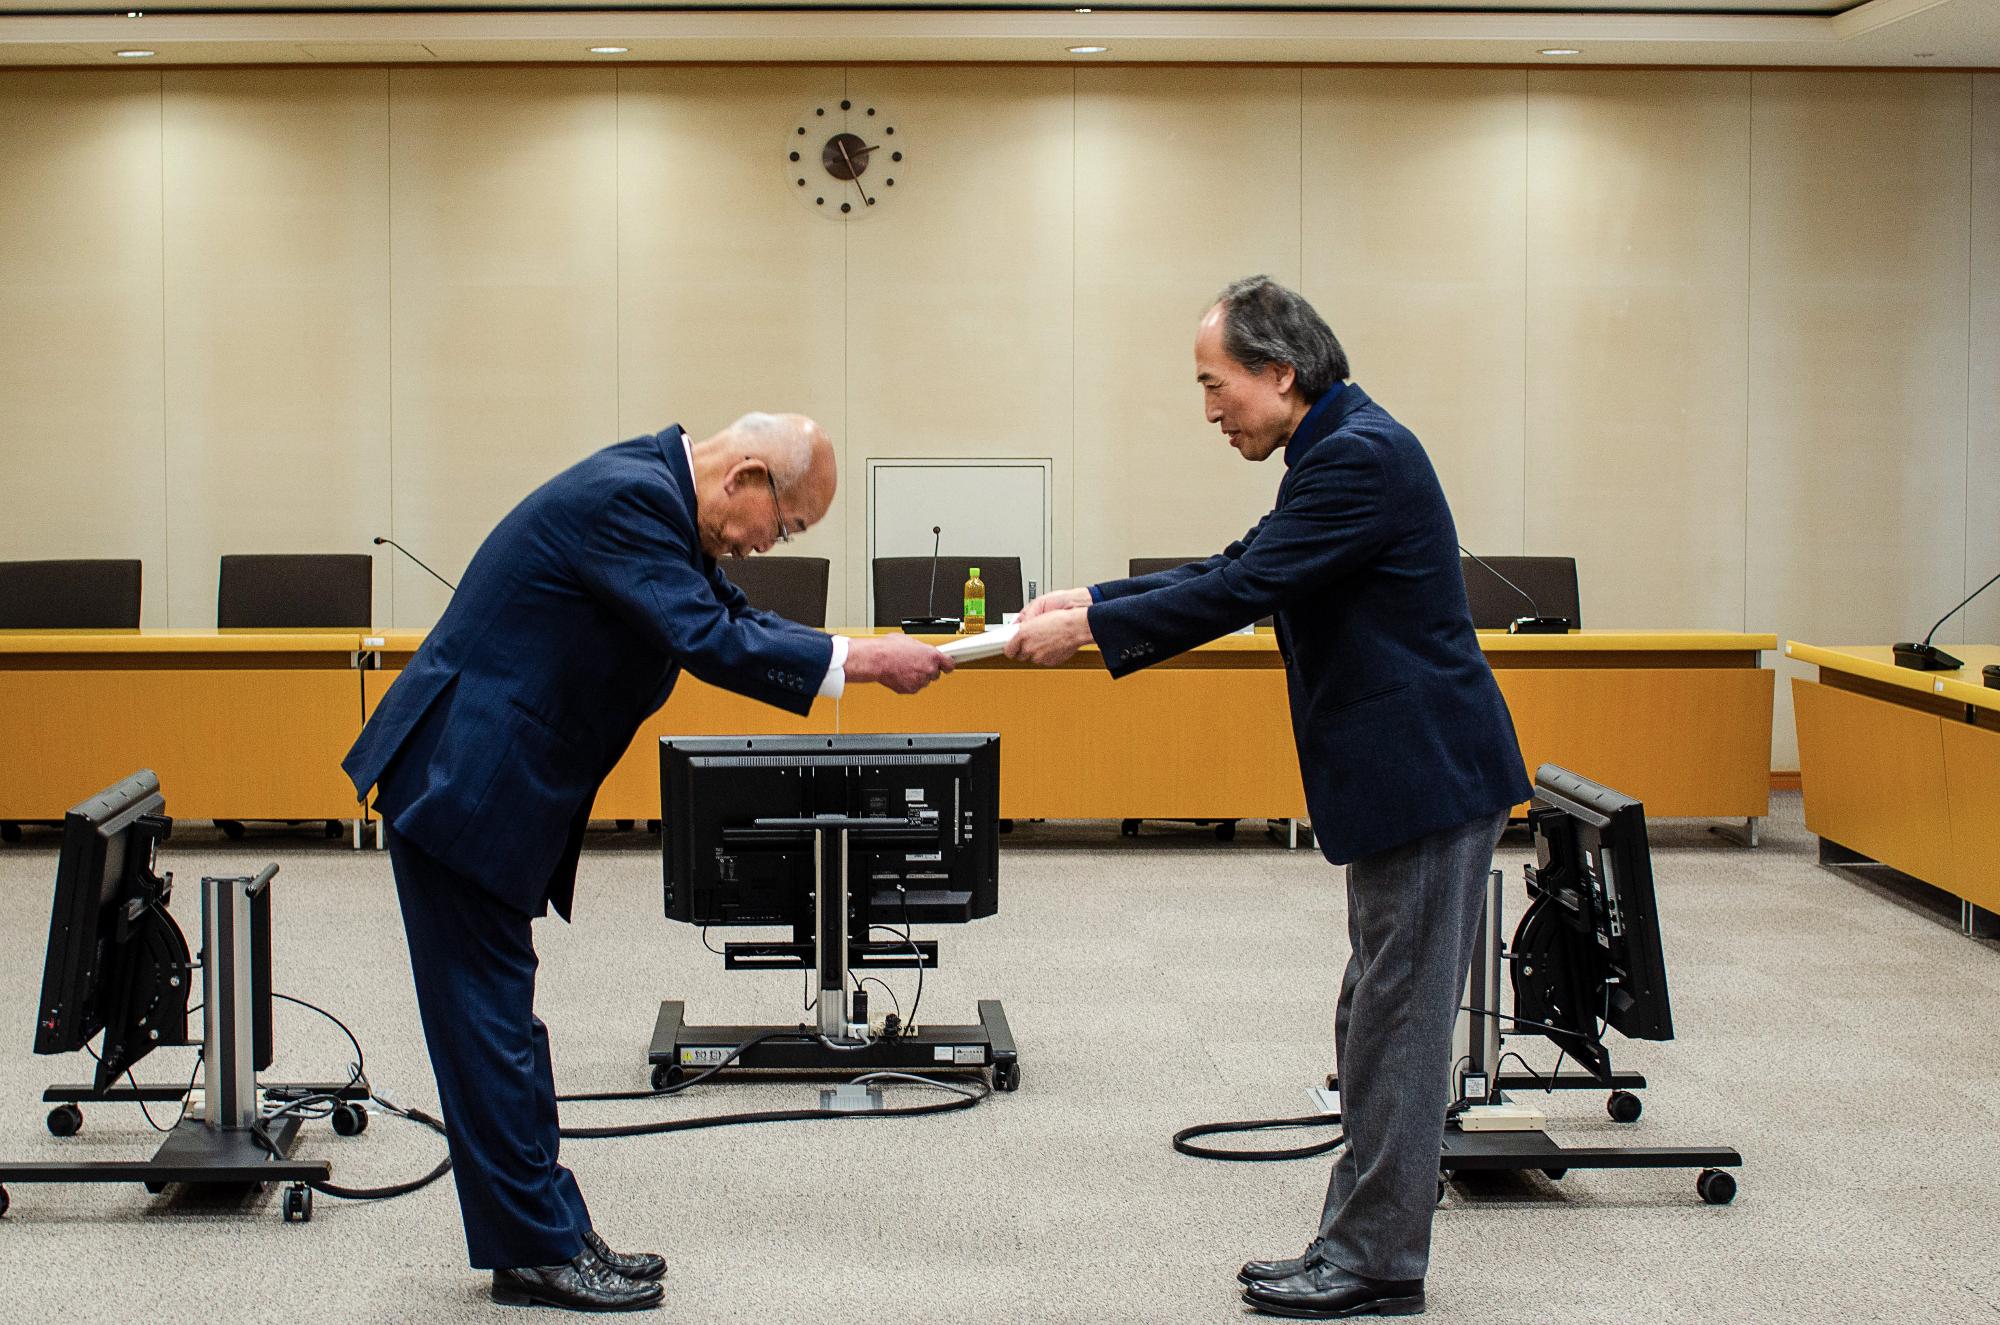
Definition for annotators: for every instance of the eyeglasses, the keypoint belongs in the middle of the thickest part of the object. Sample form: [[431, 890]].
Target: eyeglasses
[[784, 531]]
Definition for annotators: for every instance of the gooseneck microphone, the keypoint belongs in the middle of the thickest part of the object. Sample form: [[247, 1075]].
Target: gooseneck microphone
[[932, 624], [1927, 657], [1523, 625], [937, 541], [419, 560]]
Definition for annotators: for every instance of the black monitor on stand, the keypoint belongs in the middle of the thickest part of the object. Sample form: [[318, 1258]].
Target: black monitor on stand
[[118, 964], [1586, 959], [839, 838]]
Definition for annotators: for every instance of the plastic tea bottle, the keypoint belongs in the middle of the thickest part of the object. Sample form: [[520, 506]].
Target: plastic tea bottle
[[975, 604]]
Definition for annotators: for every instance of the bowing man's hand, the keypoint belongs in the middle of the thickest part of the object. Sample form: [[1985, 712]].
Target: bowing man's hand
[[1059, 600], [1053, 637], [903, 663]]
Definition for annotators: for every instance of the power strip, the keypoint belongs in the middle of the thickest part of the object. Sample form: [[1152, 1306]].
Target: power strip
[[1505, 1117]]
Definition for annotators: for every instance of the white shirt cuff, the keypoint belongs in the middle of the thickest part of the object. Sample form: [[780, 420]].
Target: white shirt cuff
[[836, 672]]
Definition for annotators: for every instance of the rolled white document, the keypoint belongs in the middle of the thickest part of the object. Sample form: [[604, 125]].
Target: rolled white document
[[986, 644]]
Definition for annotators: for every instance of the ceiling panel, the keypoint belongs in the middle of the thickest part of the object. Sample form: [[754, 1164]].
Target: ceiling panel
[[1956, 34]]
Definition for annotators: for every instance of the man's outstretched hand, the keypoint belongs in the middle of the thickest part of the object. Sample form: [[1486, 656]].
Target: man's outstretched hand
[[1059, 600], [903, 663], [1053, 637]]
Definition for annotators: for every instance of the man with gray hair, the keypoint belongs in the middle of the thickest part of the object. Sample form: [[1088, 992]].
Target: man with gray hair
[[570, 626], [1405, 745]]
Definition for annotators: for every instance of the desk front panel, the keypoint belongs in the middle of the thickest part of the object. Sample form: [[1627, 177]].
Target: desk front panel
[[1972, 782], [1689, 742], [1167, 743], [1873, 777], [230, 742]]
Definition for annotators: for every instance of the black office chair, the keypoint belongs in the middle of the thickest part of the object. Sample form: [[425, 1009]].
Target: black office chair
[[296, 590], [1549, 581], [793, 587], [286, 590], [902, 587], [1138, 566], [69, 595]]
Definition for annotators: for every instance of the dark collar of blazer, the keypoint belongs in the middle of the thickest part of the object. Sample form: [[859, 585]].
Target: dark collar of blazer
[[1324, 419]]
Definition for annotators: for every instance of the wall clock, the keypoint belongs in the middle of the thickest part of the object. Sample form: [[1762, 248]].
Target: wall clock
[[845, 158]]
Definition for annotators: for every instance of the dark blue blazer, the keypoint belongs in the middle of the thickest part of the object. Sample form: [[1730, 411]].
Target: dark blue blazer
[[569, 628], [1401, 729]]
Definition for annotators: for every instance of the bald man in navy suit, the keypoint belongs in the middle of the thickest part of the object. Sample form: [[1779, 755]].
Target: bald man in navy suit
[[570, 627]]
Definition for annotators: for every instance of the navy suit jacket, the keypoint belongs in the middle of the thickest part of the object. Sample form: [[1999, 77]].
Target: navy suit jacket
[[1401, 729], [568, 629]]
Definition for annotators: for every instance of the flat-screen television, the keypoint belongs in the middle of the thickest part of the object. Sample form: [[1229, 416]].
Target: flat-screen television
[[936, 859], [117, 962], [1587, 953]]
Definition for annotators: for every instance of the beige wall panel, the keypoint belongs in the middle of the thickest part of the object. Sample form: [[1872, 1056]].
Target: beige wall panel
[[277, 317], [1638, 279], [1858, 346], [80, 356], [1982, 552], [731, 293], [960, 282], [503, 251], [1413, 250], [1186, 180]]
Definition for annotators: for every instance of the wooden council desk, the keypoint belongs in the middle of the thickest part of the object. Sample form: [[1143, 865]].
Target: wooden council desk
[[1903, 767], [252, 725]]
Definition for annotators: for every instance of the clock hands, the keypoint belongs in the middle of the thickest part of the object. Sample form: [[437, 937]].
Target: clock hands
[[854, 171]]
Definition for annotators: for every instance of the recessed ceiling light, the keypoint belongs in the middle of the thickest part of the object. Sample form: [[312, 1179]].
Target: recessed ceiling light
[[1561, 50], [133, 55], [609, 50], [1088, 50], [135, 13], [1083, 11], [1923, 55]]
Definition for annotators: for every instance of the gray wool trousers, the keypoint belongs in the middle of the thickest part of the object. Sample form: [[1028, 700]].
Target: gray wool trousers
[[1412, 921]]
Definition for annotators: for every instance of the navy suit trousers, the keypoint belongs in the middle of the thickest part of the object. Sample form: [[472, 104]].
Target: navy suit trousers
[[474, 962]]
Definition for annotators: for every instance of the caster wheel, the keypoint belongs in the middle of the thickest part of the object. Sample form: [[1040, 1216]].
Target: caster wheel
[[1555, 1175], [1444, 1186], [298, 1204], [334, 828], [349, 1120], [624, 825], [65, 1120], [155, 1188], [1128, 828], [1226, 831], [653, 827], [1006, 826], [231, 829], [1624, 1106], [1716, 1187], [1007, 1075], [4, 1201], [666, 1074], [10, 832]]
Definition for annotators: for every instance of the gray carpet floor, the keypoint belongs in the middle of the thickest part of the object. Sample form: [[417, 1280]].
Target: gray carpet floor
[[1838, 1031]]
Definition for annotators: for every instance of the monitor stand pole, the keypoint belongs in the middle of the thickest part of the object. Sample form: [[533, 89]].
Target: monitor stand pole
[[678, 1048], [1485, 1133], [213, 1143]]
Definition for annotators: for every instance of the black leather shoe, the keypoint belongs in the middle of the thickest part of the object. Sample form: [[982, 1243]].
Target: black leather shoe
[[640, 1266], [1264, 1272], [583, 1283], [1327, 1292]]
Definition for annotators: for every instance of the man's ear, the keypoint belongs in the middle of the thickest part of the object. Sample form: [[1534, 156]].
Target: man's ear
[[747, 470], [1283, 375]]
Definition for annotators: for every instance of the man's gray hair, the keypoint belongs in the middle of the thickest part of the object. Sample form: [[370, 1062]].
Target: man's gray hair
[[1265, 323], [783, 441]]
